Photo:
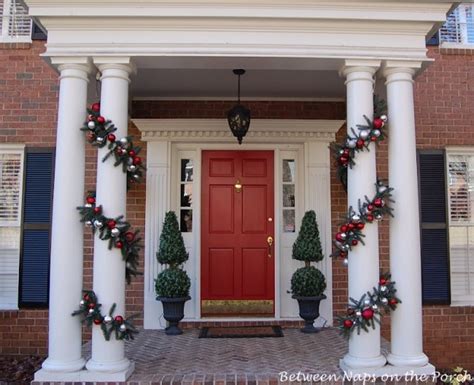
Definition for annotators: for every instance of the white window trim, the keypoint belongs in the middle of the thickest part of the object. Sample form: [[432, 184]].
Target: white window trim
[[16, 149], [5, 36], [453, 151]]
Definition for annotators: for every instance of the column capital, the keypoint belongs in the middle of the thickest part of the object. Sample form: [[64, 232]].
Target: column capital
[[73, 67], [353, 65], [394, 70], [119, 66]]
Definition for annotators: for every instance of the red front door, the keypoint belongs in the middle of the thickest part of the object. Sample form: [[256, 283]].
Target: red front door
[[237, 254]]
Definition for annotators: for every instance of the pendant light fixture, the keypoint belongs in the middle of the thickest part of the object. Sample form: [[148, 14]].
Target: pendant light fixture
[[239, 116]]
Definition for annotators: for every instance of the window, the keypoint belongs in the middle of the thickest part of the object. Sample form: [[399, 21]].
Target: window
[[459, 27], [15, 24], [186, 195], [11, 181], [460, 170], [288, 195]]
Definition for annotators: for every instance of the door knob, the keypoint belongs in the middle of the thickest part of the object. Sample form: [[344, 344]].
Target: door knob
[[270, 244]]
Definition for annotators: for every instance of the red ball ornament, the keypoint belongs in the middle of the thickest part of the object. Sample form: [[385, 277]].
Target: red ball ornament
[[119, 319], [97, 210], [360, 226], [137, 161], [111, 138], [367, 313], [129, 236], [370, 207], [378, 202], [339, 237], [101, 120], [343, 229], [95, 107], [343, 254], [348, 323], [119, 244], [92, 305], [343, 160], [370, 218], [355, 242], [132, 153], [86, 297], [382, 281], [90, 200], [378, 123], [360, 143], [111, 224], [351, 226], [98, 321], [346, 152], [373, 138], [393, 301], [90, 118]]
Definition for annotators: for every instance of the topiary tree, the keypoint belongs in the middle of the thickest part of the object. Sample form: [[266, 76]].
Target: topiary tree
[[308, 281], [172, 282], [307, 246]]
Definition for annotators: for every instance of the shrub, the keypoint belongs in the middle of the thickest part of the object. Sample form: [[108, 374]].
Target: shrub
[[307, 246], [308, 282], [172, 283]]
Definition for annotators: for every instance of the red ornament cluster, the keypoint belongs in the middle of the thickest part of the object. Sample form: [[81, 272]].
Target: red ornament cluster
[[350, 232], [372, 131], [100, 133], [89, 310], [363, 314], [115, 230]]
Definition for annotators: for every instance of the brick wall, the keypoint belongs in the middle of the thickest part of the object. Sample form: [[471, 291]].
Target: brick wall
[[444, 103]]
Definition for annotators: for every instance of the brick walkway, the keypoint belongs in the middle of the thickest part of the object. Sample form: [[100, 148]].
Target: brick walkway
[[189, 360]]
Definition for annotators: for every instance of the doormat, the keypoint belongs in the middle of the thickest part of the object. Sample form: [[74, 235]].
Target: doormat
[[241, 332]]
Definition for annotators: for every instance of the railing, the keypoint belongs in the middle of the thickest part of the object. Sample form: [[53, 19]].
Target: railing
[[15, 24], [459, 27]]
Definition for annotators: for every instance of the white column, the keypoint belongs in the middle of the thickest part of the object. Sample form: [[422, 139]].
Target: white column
[[405, 257], [364, 349], [67, 247], [109, 268]]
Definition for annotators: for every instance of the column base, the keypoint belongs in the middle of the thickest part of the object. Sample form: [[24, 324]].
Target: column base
[[51, 365], [408, 361], [357, 363], [390, 372], [85, 376]]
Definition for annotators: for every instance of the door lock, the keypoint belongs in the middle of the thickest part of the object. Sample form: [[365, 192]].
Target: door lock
[[270, 244]]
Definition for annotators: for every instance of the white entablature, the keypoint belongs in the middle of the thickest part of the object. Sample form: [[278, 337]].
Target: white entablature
[[264, 28]]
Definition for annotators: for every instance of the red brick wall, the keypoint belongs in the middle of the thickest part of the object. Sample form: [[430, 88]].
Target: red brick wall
[[444, 103]]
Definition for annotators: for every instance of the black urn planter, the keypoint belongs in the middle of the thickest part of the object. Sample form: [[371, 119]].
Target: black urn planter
[[173, 312], [309, 311]]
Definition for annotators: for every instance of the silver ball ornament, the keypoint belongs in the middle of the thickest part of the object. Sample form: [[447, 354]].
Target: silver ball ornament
[[88, 205], [345, 262], [376, 133], [364, 134], [355, 218], [91, 311], [123, 327], [107, 319], [82, 303], [115, 232], [358, 313], [343, 236], [384, 301], [132, 168], [99, 140], [383, 288], [91, 125], [345, 247], [136, 176], [374, 307], [379, 217], [381, 189], [351, 143], [124, 141], [88, 223], [98, 224], [384, 118]]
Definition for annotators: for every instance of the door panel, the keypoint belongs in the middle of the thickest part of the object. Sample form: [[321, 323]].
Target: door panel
[[237, 269]]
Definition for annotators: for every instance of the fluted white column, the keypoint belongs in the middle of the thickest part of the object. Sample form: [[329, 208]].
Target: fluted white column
[[67, 247], [364, 349], [405, 257], [109, 268]]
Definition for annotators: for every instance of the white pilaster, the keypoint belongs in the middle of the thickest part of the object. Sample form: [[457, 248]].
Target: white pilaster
[[65, 340], [405, 257], [109, 266], [364, 348]]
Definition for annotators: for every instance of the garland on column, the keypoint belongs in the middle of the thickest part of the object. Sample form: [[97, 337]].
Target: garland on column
[[116, 231], [350, 232], [100, 131], [372, 131], [366, 312], [89, 310]]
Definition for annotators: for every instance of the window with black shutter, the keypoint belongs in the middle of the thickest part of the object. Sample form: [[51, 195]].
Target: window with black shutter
[[434, 229], [36, 237]]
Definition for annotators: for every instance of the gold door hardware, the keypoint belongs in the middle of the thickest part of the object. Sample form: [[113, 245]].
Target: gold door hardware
[[270, 244], [238, 186]]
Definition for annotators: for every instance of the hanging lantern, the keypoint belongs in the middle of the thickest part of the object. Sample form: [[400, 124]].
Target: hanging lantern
[[239, 116]]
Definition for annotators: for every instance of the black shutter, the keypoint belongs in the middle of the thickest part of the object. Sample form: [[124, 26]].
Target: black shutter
[[37, 33], [434, 229], [36, 237]]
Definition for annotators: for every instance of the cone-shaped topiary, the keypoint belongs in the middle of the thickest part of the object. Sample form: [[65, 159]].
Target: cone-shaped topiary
[[307, 246], [171, 250]]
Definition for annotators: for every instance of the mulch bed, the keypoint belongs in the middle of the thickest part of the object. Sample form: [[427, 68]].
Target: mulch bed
[[18, 370]]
